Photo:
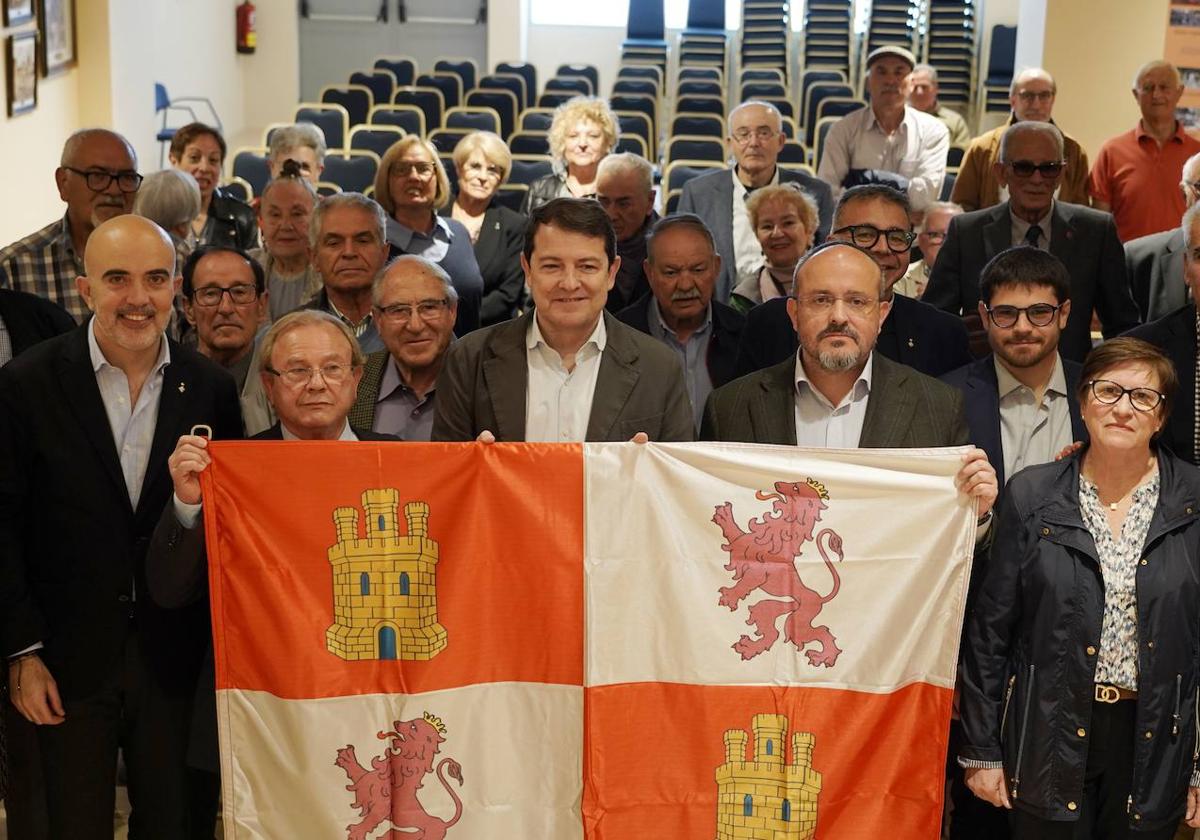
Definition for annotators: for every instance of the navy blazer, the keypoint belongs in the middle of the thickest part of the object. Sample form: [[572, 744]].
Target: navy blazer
[[914, 334], [710, 196], [981, 389], [1084, 239], [1175, 335], [727, 324]]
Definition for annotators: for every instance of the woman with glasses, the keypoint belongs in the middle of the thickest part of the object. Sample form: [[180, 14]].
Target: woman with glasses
[[1079, 674], [584, 130], [199, 150], [411, 186], [784, 218], [483, 162]]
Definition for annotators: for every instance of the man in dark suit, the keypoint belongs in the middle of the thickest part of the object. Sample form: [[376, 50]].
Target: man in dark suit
[[415, 306], [25, 320], [567, 371], [914, 334], [1031, 166], [837, 391], [682, 265], [1175, 335], [625, 189], [755, 140], [1154, 263], [87, 421]]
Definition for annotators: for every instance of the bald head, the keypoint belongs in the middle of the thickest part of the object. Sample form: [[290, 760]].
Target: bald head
[[81, 141], [1031, 95], [125, 233]]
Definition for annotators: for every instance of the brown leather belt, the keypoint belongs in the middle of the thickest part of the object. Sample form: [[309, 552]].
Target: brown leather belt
[[1113, 694]]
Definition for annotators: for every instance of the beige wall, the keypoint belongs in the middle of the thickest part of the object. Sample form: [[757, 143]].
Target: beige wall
[[1093, 48]]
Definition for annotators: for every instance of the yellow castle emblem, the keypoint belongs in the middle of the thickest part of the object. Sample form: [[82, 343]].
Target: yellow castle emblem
[[384, 584], [765, 798]]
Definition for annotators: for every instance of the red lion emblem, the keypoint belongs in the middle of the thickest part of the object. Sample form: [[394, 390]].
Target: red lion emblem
[[388, 791], [764, 558]]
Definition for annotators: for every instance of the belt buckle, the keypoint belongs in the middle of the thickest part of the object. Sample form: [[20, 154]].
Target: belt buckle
[[1107, 693]]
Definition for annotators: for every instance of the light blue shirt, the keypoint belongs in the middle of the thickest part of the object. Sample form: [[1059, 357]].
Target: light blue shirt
[[693, 355], [822, 424], [433, 246]]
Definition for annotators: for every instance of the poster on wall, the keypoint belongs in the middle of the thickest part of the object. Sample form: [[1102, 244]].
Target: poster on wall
[[1182, 48], [58, 35], [17, 12], [22, 73]]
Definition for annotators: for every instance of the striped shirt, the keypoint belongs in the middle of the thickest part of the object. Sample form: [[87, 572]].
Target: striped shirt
[[45, 264]]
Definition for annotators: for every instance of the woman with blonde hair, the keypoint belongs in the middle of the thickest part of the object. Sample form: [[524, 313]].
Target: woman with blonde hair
[[784, 218], [583, 132], [411, 186]]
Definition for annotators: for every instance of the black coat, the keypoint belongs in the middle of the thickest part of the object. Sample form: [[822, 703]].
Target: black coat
[[498, 252], [914, 334], [1029, 658], [1175, 335], [722, 347], [231, 223], [30, 319], [543, 189]]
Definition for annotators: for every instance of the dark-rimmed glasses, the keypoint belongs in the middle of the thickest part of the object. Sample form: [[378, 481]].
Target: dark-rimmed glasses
[[211, 295], [1039, 314], [1026, 168], [1108, 392], [98, 180], [865, 236]]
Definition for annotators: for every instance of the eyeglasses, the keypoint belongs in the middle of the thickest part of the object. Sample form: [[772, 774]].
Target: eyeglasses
[[1039, 314], [823, 302], [404, 168], [426, 310], [1028, 96], [1108, 392], [763, 133], [1026, 168], [865, 236], [98, 180], [211, 295], [332, 374]]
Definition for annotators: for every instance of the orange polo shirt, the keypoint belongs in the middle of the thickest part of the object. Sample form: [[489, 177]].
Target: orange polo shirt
[[1140, 181]]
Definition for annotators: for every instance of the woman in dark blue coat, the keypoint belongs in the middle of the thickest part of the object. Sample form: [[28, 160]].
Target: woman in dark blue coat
[[1079, 675]]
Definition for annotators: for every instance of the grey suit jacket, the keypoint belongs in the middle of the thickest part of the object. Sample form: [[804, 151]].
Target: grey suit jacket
[[905, 409], [1154, 264], [710, 196], [484, 380]]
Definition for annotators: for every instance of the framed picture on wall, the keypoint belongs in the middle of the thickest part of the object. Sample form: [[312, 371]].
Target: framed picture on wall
[[22, 73], [57, 19], [17, 12]]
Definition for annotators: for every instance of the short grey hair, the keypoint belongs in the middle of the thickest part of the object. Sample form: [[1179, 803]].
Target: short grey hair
[[929, 70], [1191, 165], [938, 206], [169, 198], [77, 139], [306, 318], [1029, 127], [771, 109], [628, 162], [1190, 217], [289, 137], [346, 199], [1157, 64], [415, 263], [1031, 73]]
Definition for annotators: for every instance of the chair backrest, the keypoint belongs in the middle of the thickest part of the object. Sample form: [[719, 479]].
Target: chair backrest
[[331, 118], [1002, 52], [447, 159], [820, 132], [510, 82], [790, 130], [270, 130], [700, 87], [473, 117], [755, 90], [409, 118], [793, 152], [327, 188], [644, 86], [465, 68], [671, 205], [639, 123], [527, 72], [356, 99], [685, 147], [838, 106], [448, 83], [698, 125], [650, 72], [445, 139], [375, 138], [382, 84], [512, 196], [762, 74], [947, 186], [818, 91], [701, 105], [679, 172], [954, 155], [528, 168], [239, 188], [819, 75], [428, 99], [645, 20], [579, 85], [707, 74], [633, 144], [161, 99], [553, 98], [782, 104], [251, 165], [503, 102], [529, 143], [353, 172], [402, 67], [586, 71], [536, 119]]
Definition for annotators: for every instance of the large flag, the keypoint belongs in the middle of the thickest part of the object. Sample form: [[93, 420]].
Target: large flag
[[611, 641]]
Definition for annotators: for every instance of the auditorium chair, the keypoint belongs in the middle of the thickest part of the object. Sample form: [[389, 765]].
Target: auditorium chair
[[474, 117], [409, 118], [382, 84], [684, 147], [332, 119], [465, 68], [428, 99], [502, 102], [352, 171], [527, 72], [375, 138], [401, 66], [356, 99], [528, 168], [448, 83], [586, 71], [252, 166], [698, 125]]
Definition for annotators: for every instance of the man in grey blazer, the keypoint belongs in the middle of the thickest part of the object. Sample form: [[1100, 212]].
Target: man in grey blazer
[[568, 370], [836, 391], [1154, 263], [755, 140], [1031, 167]]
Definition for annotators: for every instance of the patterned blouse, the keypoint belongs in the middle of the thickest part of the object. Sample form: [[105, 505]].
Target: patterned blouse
[[1117, 661]]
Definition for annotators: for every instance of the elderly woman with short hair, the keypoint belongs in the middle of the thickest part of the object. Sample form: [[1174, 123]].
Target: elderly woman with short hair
[[784, 218], [284, 209], [411, 186], [497, 233], [583, 132], [171, 199], [301, 142], [200, 150]]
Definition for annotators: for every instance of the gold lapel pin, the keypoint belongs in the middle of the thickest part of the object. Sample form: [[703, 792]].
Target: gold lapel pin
[[182, 387]]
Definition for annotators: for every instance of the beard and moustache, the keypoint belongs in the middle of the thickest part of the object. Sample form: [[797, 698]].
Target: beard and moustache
[[837, 361]]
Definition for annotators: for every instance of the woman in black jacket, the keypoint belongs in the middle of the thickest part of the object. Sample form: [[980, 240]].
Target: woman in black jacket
[[1079, 674], [199, 150], [584, 130]]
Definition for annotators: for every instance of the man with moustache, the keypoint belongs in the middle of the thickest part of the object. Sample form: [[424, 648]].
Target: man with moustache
[[98, 179], [87, 420], [415, 306], [625, 189], [682, 264], [225, 299]]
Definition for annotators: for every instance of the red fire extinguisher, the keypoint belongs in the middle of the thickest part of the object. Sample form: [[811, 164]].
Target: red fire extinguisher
[[247, 38]]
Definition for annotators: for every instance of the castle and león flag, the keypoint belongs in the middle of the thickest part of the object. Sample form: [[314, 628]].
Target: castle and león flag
[[602, 641]]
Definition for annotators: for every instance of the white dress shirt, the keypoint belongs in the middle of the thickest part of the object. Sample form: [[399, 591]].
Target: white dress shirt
[[558, 402], [747, 251], [822, 424], [916, 150]]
